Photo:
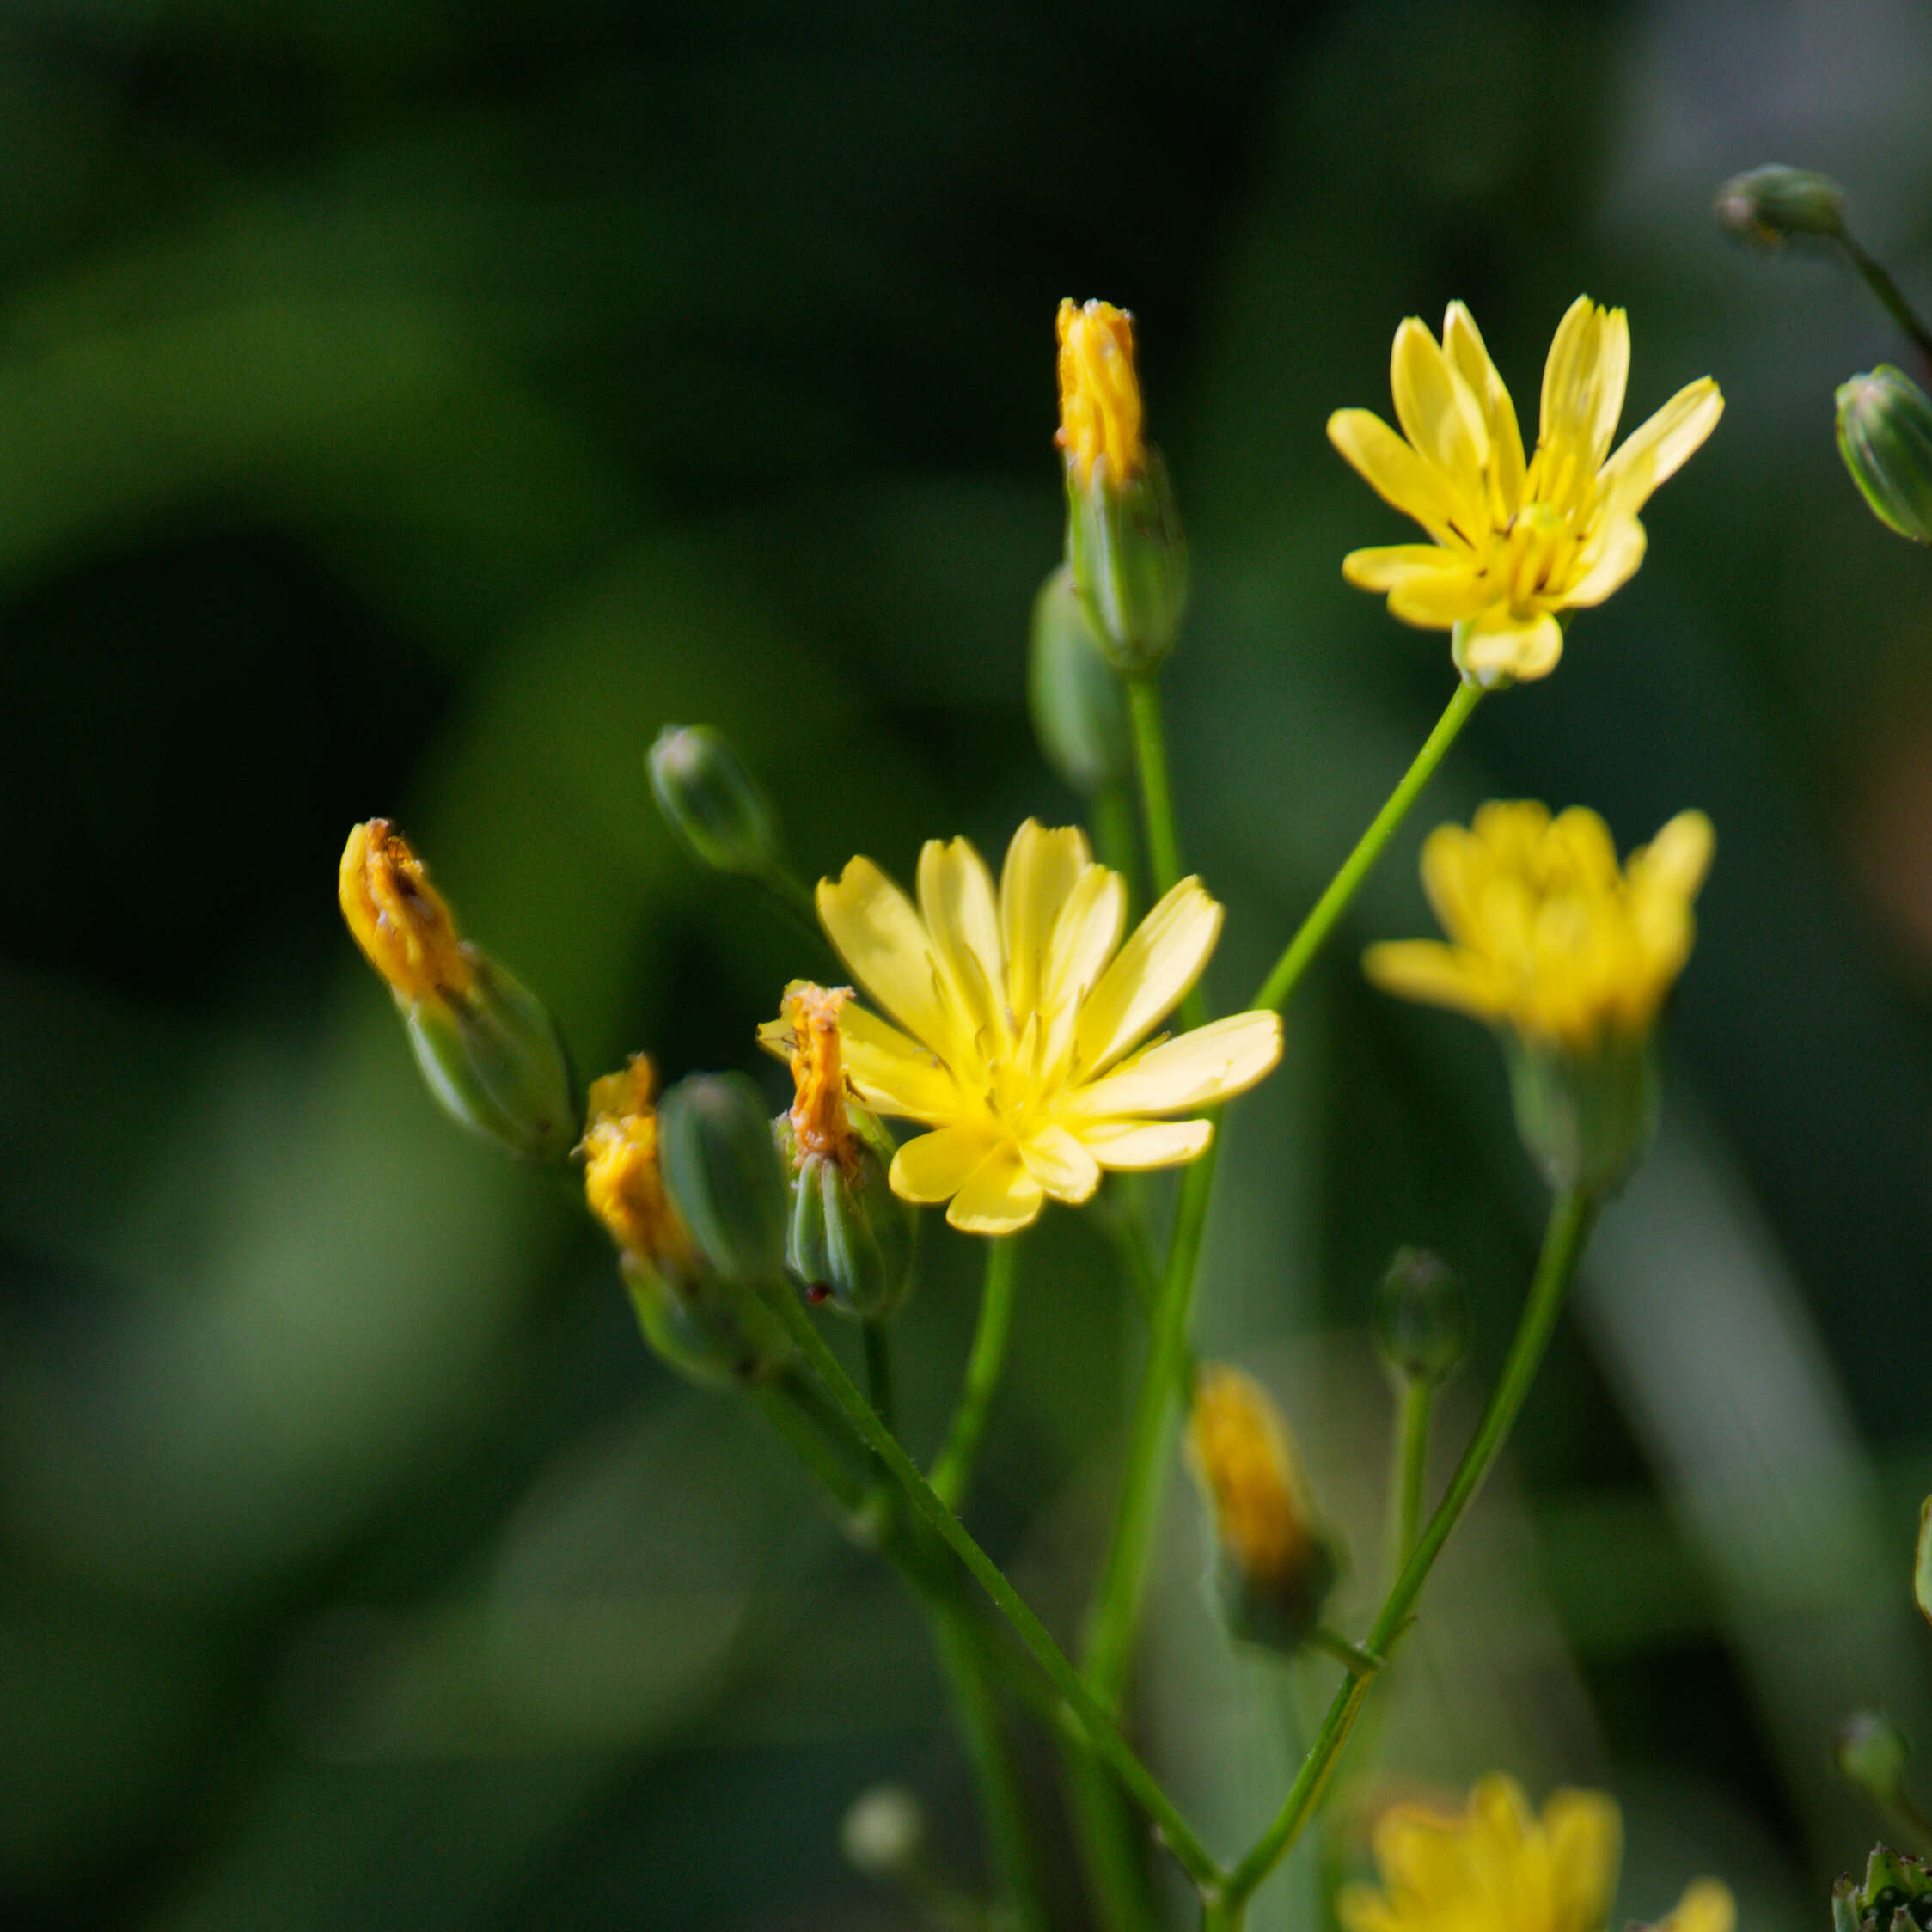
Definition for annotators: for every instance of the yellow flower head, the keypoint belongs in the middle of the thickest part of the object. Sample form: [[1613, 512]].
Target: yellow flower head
[[1546, 930], [808, 1032], [1512, 542], [1015, 1019], [1099, 392], [1499, 1868], [398, 918], [1241, 1451], [622, 1181]]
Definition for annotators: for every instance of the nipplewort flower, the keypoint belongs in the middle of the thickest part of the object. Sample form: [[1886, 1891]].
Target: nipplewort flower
[[1513, 543], [1018, 1024]]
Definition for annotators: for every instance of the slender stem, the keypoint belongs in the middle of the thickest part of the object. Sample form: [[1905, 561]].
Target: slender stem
[[878, 1371], [1879, 280], [1157, 799], [1111, 811], [952, 1472], [1571, 1217], [1093, 1717], [1334, 902], [1116, 1604], [1009, 1819], [1408, 1472], [1111, 1845], [781, 1405], [1352, 1657]]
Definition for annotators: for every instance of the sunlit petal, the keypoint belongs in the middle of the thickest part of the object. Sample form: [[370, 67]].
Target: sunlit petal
[[934, 1166], [1150, 976], [1195, 1070], [884, 942], [1068, 1170], [998, 1197], [1035, 884], [1132, 1145]]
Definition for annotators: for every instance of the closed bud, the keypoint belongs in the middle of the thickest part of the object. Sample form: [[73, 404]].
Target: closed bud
[[884, 1832], [1894, 1896], [486, 1047], [1421, 1317], [711, 801], [722, 1175], [1772, 205], [1885, 436], [1275, 1566], [1124, 546], [1871, 1752], [1079, 703], [711, 1330]]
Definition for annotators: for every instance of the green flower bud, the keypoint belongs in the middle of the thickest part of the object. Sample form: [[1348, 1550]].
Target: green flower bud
[[711, 1332], [1885, 436], [1130, 562], [1771, 205], [488, 1049], [722, 1175], [1421, 1317], [1871, 1752], [851, 1238], [1585, 1117], [1895, 1896], [1078, 701], [712, 802]]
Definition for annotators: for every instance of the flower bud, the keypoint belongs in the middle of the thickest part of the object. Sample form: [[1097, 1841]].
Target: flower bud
[[710, 1330], [1771, 205], [1124, 546], [1885, 436], [712, 802], [1421, 1317], [486, 1047], [1895, 1896], [883, 1832], [1871, 1752], [723, 1174], [1275, 1567], [1078, 701]]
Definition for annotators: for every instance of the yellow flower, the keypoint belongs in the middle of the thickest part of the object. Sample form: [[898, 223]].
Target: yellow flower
[[1241, 1452], [1513, 543], [1015, 1019], [1547, 934], [1099, 392], [622, 1180], [1500, 1869], [398, 918]]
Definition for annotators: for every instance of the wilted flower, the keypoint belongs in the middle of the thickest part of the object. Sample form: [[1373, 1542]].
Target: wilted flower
[[1513, 543]]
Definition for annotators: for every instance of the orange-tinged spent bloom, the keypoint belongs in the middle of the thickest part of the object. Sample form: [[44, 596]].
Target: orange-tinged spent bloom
[[1512, 542], [1500, 1867], [809, 1032], [1546, 932], [1099, 392], [622, 1180], [1018, 1019], [399, 920], [1241, 1451]]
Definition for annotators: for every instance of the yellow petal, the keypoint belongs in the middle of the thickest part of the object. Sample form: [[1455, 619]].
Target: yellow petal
[[1706, 1906], [1035, 884], [1678, 858], [1499, 644], [1388, 564], [1438, 600], [1150, 975], [1198, 1069], [1660, 446], [1439, 416], [1464, 345], [1586, 1835], [935, 1166], [885, 943], [892, 1073], [1137, 1144], [1084, 938], [955, 901], [998, 1197], [1068, 1170], [1394, 471], [1438, 975], [1572, 352], [1619, 549]]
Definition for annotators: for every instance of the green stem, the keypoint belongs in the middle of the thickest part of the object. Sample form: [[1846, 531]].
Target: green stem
[[1110, 1844], [1408, 1472], [1157, 799], [1111, 813], [1093, 1718], [878, 1371], [1879, 280], [1352, 1657], [952, 1470], [1116, 1603], [1009, 1819], [1571, 1216], [1277, 989]]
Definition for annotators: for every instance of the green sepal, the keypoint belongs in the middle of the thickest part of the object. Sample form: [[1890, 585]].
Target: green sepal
[[495, 1060], [850, 1239], [1585, 1117], [722, 1175], [712, 1334], [1278, 1614], [1895, 1896], [1130, 562], [1076, 700], [1885, 437]]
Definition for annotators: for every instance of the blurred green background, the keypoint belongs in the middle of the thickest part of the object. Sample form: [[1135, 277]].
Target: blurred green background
[[408, 408]]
